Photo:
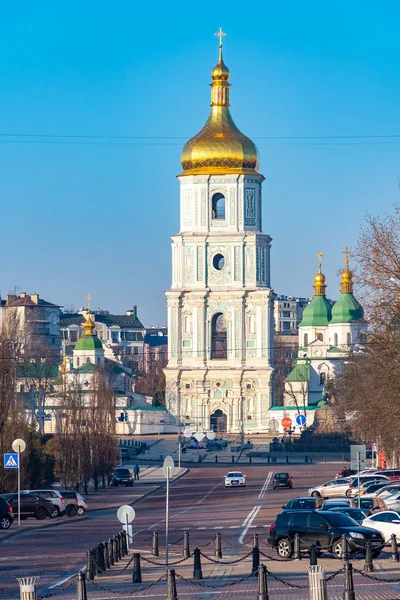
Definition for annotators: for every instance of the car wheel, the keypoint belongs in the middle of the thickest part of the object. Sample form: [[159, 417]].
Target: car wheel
[[41, 513], [316, 494], [336, 548], [70, 511], [5, 523], [55, 513], [284, 548], [80, 511]]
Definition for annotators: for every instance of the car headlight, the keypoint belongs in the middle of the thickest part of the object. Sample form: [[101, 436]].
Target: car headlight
[[355, 534]]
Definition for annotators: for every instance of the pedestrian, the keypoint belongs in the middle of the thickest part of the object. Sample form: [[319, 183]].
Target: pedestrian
[[136, 472]]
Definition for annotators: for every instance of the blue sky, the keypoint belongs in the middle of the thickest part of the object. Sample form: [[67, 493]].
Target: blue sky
[[94, 214]]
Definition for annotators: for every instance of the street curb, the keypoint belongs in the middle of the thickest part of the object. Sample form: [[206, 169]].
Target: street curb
[[44, 526], [141, 497]]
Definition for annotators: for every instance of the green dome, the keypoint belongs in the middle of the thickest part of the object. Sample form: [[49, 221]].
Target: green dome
[[89, 342], [318, 313], [347, 309]]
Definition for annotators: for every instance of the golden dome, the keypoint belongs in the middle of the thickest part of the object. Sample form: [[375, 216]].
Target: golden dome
[[319, 279], [88, 325], [346, 285], [219, 148]]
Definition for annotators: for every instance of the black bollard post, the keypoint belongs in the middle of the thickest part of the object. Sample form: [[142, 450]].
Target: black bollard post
[[345, 549], [255, 559], [154, 549], [368, 565], [186, 545], [119, 544], [218, 549], [395, 553], [81, 593], [233, 459], [256, 543], [89, 565], [313, 556], [268, 458], [197, 573], [100, 557], [116, 554], [171, 585], [137, 571], [106, 555], [262, 583], [216, 458], [111, 550], [94, 561], [297, 553], [250, 459], [348, 590], [287, 459]]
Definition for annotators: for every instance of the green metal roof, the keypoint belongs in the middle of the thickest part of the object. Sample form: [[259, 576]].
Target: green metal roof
[[347, 309], [287, 408], [318, 313], [88, 342], [300, 372]]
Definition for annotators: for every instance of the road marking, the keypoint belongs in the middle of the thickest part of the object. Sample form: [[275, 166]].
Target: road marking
[[248, 522], [51, 587]]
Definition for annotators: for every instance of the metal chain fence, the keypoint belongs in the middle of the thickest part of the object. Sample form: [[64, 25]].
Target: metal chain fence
[[225, 562], [127, 592], [216, 586]]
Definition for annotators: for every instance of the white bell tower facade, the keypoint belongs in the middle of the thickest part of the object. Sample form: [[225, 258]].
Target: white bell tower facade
[[220, 305]]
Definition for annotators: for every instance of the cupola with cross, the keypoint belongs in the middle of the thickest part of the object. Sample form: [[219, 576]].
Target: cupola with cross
[[88, 349]]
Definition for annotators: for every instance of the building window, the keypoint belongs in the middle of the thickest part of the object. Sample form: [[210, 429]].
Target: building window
[[286, 325], [73, 335], [98, 360], [348, 339], [187, 324], [218, 262], [335, 340], [77, 362], [135, 350], [322, 378], [114, 337], [218, 206], [305, 340], [285, 314], [219, 338], [320, 337], [88, 360], [22, 388]]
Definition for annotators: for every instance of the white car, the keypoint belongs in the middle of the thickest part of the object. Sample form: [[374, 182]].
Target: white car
[[331, 489], [235, 479], [387, 522]]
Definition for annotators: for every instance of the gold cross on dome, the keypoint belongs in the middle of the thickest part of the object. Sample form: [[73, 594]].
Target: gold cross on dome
[[346, 257], [320, 255], [89, 297], [220, 34]]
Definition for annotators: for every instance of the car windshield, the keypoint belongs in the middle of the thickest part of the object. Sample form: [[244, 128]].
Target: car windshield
[[234, 474], [307, 503], [122, 472], [341, 520], [281, 475]]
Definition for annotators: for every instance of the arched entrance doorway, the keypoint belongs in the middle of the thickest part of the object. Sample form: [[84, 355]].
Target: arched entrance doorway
[[218, 421]]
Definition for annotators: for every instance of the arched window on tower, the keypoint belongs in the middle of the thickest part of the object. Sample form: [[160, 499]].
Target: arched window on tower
[[305, 340], [322, 378], [218, 206], [348, 339], [335, 340], [320, 337], [77, 362], [219, 338]]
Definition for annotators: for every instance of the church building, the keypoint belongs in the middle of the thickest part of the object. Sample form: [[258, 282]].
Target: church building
[[327, 335], [220, 304]]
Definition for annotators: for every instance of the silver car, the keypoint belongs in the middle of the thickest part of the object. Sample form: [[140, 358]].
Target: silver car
[[331, 489]]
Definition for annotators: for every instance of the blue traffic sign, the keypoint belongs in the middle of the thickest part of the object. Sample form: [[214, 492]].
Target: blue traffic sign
[[300, 420], [11, 461]]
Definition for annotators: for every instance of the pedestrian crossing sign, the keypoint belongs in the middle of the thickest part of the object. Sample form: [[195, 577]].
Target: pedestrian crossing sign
[[11, 461]]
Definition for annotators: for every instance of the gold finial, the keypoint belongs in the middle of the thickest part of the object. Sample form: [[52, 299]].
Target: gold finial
[[220, 34], [346, 285], [63, 366], [89, 297], [319, 279]]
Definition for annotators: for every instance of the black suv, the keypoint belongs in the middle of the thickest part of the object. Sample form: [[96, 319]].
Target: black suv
[[122, 476], [282, 480], [306, 503], [323, 529], [31, 505], [6, 514]]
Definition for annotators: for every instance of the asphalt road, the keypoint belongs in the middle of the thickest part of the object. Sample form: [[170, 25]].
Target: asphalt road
[[199, 503]]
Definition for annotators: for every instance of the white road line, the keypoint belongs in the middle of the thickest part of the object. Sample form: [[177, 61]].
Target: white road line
[[51, 587], [247, 527], [248, 522]]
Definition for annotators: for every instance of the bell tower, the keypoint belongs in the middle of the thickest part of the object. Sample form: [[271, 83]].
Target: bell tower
[[220, 304]]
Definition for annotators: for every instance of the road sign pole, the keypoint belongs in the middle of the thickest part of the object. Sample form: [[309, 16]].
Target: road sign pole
[[19, 489], [167, 520], [358, 477], [179, 454]]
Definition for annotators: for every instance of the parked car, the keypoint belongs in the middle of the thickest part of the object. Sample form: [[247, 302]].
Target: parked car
[[6, 514], [372, 489], [338, 503], [353, 487], [387, 522], [330, 489], [390, 502], [355, 513], [55, 497], [281, 480], [235, 479], [31, 505], [345, 473], [390, 473], [122, 476], [321, 528], [389, 490], [70, 501], [82, 505], [301, 504]]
